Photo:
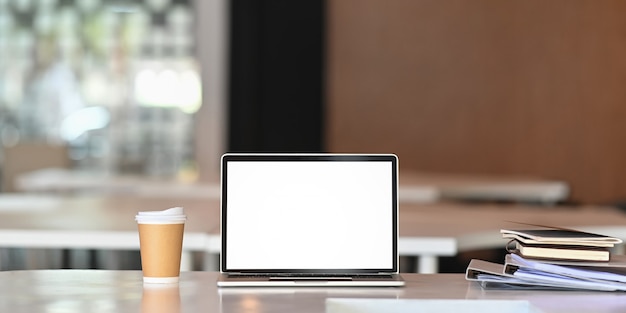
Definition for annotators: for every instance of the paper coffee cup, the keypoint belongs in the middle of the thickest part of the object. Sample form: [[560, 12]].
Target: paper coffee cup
[[160, 244]]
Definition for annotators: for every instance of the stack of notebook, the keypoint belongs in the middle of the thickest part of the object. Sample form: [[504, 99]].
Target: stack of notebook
[[559, 244], [554, 258]]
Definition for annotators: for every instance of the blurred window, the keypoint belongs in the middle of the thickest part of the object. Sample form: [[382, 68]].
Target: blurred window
[[116, 81]]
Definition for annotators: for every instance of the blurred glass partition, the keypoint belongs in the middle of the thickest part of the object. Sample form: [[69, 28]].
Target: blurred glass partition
[[117, 82]]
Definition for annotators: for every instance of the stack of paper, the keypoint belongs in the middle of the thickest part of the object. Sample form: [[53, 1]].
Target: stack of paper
[[518, 272], [557, 267]]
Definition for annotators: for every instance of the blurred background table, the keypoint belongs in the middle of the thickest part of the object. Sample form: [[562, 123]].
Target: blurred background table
[[465, 187], [96, 222], [426, 231], [107, 222], [414, 187]]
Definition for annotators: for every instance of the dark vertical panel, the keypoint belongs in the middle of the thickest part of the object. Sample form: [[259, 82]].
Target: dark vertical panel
[[245, 75], [276, 96]]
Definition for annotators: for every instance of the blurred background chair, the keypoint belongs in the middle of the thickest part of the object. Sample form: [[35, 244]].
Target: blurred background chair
[[27, 157]]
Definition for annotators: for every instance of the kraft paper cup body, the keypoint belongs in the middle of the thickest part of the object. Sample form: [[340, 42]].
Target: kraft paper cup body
[[160, 244]]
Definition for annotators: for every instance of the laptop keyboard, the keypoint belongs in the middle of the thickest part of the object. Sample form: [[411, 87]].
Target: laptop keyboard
[[310, 275]]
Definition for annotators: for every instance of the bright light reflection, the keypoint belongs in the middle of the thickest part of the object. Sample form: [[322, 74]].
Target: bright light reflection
[[144, 81], [81, 121], [169, 88], [64, 306], [191, 90], [250, 304]]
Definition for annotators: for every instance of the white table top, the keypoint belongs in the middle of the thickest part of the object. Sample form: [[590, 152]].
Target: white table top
[[95, 222], [72, 181], [477, 226], [123, 291], [107, 222], [487, 187]]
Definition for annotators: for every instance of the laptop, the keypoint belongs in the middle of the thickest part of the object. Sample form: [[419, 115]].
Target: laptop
[[309, 220]]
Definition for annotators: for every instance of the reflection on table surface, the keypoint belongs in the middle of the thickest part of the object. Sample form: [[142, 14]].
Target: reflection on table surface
[[123, 291]]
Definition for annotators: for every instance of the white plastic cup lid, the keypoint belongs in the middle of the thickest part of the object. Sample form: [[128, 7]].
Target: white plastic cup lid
[[172, 215]]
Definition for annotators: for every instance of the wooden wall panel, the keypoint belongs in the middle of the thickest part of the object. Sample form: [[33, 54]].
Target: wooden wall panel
[[485, 86]]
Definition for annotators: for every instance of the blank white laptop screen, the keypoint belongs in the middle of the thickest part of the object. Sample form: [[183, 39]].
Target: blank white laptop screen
[[309, 214]]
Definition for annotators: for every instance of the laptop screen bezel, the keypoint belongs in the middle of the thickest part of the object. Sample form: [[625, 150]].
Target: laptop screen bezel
[[249, 157]]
